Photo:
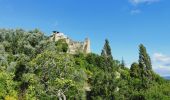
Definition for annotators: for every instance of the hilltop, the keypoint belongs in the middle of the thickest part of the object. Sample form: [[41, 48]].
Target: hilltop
[[73, 46], [34, 66]]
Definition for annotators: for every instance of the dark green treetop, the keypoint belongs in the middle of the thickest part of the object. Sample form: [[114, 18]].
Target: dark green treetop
[[106, 52], [144, 58], [134, 70], [145, 66]]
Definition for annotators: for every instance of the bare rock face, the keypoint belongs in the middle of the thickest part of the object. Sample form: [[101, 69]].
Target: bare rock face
[[73, 46]]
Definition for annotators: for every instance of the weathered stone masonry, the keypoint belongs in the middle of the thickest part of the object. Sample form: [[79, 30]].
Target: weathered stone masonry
[[73, 46]]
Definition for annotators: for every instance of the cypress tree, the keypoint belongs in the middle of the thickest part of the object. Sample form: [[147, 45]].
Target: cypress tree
[[122, 63], [106, 52], [145, 66], [144, 59]]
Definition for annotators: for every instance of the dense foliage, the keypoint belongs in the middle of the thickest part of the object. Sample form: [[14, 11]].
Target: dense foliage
[[34, 68]]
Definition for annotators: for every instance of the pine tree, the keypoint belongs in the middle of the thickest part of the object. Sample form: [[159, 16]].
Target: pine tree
[[106, 52]]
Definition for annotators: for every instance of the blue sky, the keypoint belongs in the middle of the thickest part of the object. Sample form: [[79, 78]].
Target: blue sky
[[126, 23]]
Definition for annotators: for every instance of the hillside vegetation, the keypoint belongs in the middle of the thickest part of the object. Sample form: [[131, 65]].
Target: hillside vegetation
[[34, 68]]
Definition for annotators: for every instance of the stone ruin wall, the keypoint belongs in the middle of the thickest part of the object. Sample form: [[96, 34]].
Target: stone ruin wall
[[73, 46]]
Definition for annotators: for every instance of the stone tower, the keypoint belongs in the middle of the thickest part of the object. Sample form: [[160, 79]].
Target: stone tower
[[86, 46]]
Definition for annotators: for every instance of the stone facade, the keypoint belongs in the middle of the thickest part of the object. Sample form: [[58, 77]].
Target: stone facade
[[73, 46]]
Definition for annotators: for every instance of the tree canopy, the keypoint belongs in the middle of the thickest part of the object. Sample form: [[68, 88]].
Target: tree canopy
[[34, 68]]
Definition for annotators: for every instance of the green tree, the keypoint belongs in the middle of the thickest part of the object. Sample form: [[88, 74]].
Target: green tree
[[122, 63], [134, 70], [104, 86], [61, 45], [145, 66], [106, 52], [7, 86], [57, 76], [144, 58]]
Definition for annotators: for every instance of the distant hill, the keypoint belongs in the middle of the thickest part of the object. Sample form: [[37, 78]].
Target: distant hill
[[167, 77]]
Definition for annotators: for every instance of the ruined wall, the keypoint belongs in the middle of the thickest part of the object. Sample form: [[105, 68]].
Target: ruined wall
[[73, 46], [86, 46]]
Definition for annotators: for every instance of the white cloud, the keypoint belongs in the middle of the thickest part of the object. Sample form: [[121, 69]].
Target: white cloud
[[159, 57], [162, 70], [136, 2], [161, 64]]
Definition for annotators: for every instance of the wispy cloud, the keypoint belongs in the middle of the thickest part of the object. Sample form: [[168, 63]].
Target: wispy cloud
[[161, 64], [136, 2], [56, 23], [159, 57], [163, 70], [135, 11]]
